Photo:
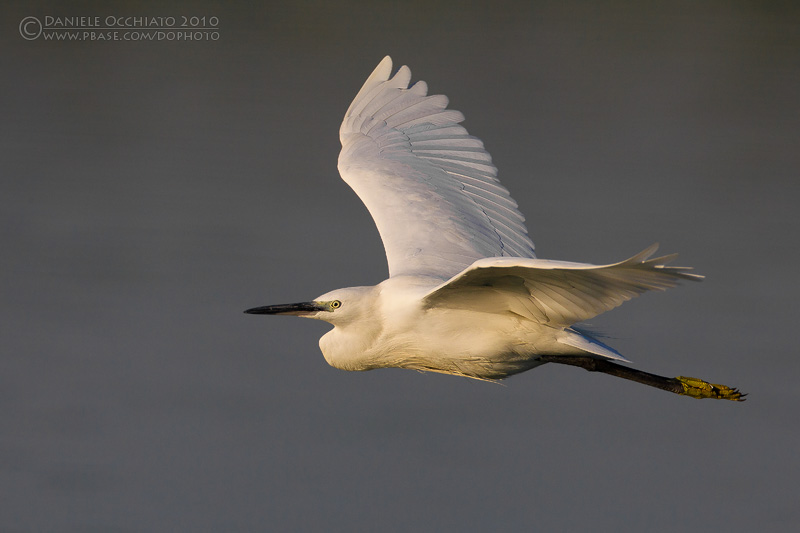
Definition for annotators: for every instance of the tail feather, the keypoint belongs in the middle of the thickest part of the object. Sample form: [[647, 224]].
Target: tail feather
[[583, 341]]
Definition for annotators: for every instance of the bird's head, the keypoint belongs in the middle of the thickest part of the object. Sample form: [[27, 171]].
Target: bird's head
[[338, 307]]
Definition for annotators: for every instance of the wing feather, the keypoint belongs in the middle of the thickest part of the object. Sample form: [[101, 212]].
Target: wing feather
[[430, 186], [561, 293]]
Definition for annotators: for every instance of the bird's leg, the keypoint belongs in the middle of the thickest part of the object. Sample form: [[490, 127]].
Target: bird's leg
[[692, 387]]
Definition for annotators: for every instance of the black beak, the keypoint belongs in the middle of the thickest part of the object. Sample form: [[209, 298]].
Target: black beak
[[299, 309]]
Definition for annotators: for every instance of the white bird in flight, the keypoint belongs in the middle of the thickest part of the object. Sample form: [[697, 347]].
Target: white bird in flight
[[466, 295]]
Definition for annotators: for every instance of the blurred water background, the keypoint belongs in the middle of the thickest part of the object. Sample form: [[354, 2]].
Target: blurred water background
[[153, 190]]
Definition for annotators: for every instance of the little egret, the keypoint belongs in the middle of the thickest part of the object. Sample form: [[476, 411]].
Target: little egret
[[466, 295]]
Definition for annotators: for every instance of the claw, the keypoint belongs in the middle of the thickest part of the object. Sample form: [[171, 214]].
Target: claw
[[697, 388]]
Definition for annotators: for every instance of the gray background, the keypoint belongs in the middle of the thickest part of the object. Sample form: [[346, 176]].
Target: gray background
[[152, 191]]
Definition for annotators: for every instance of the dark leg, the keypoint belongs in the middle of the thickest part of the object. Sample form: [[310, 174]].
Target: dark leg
[[696, 388]]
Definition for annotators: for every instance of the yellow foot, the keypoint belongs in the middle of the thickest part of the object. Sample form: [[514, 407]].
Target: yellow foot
[[697, 388]]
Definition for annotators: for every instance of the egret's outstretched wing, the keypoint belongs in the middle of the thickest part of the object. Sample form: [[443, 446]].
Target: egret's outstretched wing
[[430, 187], [558, 293]]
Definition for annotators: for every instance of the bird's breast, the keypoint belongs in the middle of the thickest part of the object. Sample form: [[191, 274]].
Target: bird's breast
[[459, 342]]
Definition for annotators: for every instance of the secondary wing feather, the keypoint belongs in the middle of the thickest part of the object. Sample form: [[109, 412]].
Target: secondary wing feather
[[430, 186]]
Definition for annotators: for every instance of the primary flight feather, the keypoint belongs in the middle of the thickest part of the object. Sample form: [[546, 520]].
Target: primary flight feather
[[466, 294]]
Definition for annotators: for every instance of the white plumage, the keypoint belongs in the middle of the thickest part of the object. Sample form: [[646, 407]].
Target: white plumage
[[466, 294], [430, 187]]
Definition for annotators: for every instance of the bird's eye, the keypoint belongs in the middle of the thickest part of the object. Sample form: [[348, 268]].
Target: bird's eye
[[336, 304]]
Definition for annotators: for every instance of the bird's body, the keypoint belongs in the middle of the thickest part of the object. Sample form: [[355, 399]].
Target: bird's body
[[466, 342], [466, 294], [488, 322]]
